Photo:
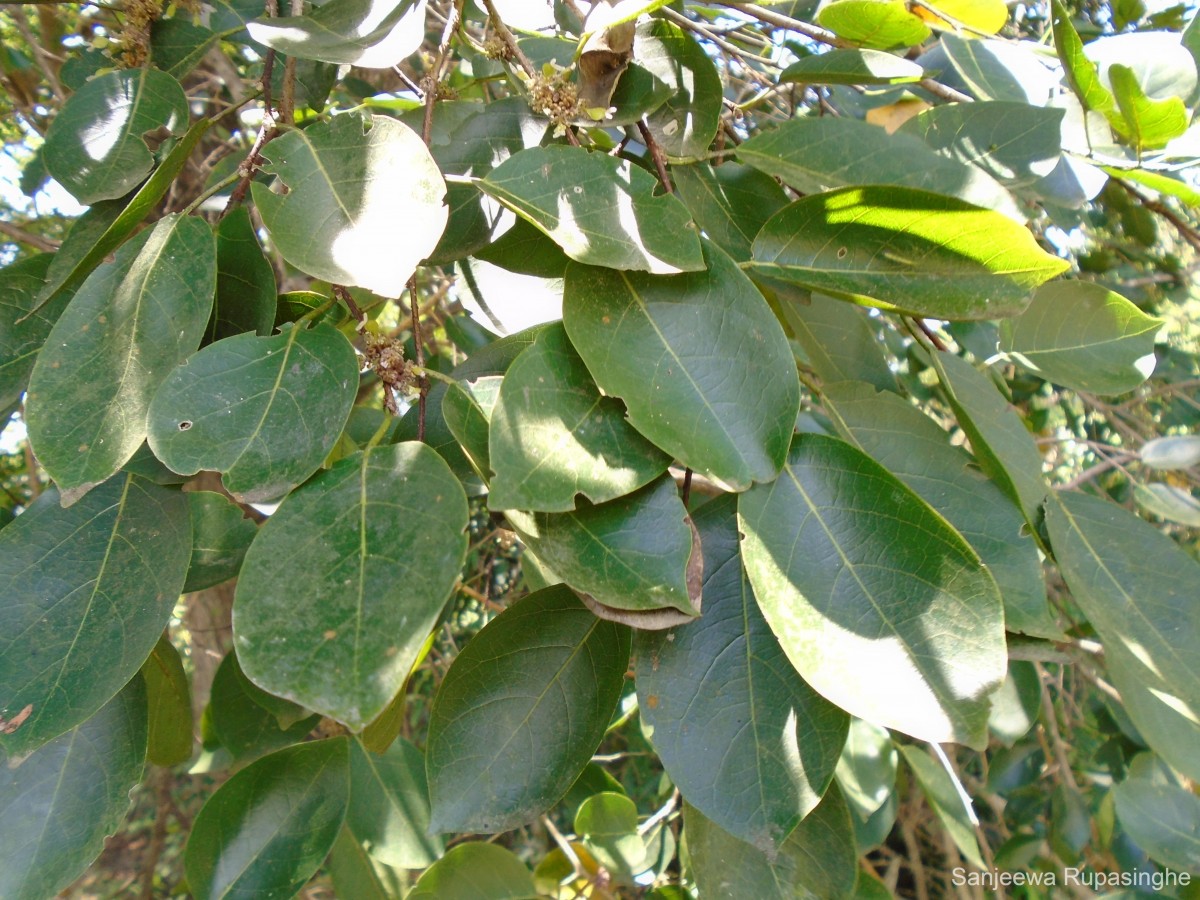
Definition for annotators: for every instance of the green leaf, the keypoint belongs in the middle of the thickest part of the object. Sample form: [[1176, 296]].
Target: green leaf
[[59, 804], [350, 181], [246, 293], [243, 723], [699, 360], [371, 34], [353, 872], [554, 437], [905, 250], [1162, 718], [346, 579], [1081, 72], [221, 534], [130, 324], [389, 805], [23, 327], [1158, 182], [519, 714], [96, 147], [738, 731], [1172, 453], [817, 860], [839, 341], [1083, 336], [917, 451], [96, 583], [467, 408], [476, 871], [267, 830], [847, 66], [1135, 586], [873, 24], [1017, 71], [1163, 819], [600, 210], [816, 154], [1015, 143], [686, 124], [866, 770], [607, 823], [169, 701], [177, 45], [730, 203], [1002, 445], [636, 552], [1151, 123], [104, 227], [265, 411], [942, 795], [901, 626], [1168, 502]]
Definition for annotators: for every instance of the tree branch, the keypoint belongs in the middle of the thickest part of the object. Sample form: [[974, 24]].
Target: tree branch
[[21, 236]]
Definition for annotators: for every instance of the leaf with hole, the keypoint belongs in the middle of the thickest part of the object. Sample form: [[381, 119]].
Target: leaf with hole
[[346, 579], [264, 411], [887, 612], [98, 581], [522, 709]]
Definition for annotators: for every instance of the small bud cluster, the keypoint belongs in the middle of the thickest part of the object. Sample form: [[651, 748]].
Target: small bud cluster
[[385, 356], [495, 47], [556, 98], [140, 15]]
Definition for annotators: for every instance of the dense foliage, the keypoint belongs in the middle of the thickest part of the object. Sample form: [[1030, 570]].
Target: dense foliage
[[665, 449]]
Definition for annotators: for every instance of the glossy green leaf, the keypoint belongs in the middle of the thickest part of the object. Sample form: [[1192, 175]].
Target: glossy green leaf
[[351, 179], [1083, 336], [872, 23], [607, 823], [265, 411], [245, 280], [221, 534], [686, 124], [96, 147], [177, 45], [817, 860], [1081, 73], [267, 830], [654, 342], [636, 552], [345, 580], [1135, 586], [1017, 71], [525, 250], [1162, 718], [1174, 504], [816, 154], [354, 873], [918, 452], [848, 66], [866, 770], [241, 719], [942, 795], [130, 324], [521, 711], [554, 437], [23, 330], [169, 701], [730, 202], [1015, 143], [1002, 445], [1151, 123], [901, 626], [1164, 819], [738, 731], [389, 805], [905, 250], [600, 210], [839, 341], [59, 804], [467, 408], [97, 582], [110, 222], [476, 871], [372, 34], [1159, 183]]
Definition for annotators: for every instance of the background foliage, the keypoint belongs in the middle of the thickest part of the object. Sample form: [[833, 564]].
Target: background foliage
[[513, 449]]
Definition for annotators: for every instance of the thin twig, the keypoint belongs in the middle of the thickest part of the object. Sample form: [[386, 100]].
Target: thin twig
[[419, 357], [656, 153], [20, 235], [1057, 744], [509, 40]]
